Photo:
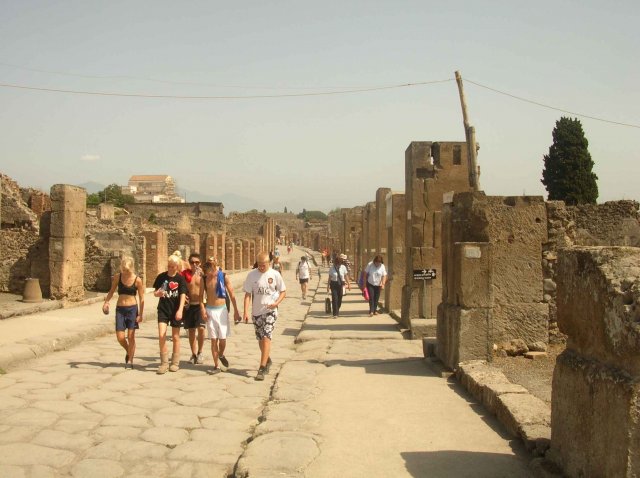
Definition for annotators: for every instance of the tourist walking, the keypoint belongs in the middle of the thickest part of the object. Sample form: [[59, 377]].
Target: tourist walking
[[303, 274], [276, 265], [376, 278], [193, 322], [218, 289], [265, 289], [338, 278], [171, 289], [128, 310]]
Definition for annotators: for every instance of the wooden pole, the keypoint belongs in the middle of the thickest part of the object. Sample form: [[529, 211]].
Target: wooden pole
[[469, 133]]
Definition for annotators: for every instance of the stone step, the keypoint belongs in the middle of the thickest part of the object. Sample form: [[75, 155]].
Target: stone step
[[423, 328]]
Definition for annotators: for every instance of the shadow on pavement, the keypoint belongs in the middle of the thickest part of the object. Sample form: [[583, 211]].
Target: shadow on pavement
[[453, 463], [368, 326], [405, 366]]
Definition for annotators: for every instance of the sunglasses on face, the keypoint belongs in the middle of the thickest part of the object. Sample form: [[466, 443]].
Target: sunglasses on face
[[194, 262]]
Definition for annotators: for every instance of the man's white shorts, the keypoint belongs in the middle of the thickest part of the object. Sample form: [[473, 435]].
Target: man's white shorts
[[218, 322]]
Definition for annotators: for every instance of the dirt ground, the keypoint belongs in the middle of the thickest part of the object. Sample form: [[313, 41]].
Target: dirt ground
[[534, 375]]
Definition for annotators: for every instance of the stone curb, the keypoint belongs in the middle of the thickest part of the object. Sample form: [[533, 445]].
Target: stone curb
[[522, 414]]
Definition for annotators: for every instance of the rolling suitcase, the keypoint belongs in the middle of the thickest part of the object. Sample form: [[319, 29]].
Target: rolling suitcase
[[327, 305]]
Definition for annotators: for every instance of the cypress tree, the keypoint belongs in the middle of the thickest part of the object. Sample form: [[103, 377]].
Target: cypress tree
[[567, 173]]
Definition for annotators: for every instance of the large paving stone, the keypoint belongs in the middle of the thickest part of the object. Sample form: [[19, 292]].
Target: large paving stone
[[56, 439], [28, 454], [115, 432], [223, 442], [278, 454], [167, 436], [93, 468], [60, 407], [30, 418], [109, 407], [288, 417], [181, 420], [124, 450]]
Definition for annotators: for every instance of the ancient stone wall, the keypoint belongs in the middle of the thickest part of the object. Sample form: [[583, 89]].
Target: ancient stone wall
[[614, 223], [15, 265], [595, 410], [492, 275], [14, 211], [212, 211], [103, 251]]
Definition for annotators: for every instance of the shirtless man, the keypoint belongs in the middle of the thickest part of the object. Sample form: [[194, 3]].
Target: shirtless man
[[193, 317], [214, 310]]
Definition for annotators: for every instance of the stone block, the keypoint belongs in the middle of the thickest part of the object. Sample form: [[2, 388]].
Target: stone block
[[463, 334], [68, 198], [66, 249], [105, 212], [475, 375], [514, 410], [595, 420], [472, 272], [423, 328], [67, 224], [598, 303], [526, 321]]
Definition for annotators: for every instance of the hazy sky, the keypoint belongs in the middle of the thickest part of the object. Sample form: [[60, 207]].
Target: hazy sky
[[315, 151]]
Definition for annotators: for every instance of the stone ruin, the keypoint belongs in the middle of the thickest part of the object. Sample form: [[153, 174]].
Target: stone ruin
[[595, 411], [70, 249]]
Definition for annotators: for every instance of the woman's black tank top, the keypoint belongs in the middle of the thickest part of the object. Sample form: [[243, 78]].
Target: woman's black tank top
[[127, 289]]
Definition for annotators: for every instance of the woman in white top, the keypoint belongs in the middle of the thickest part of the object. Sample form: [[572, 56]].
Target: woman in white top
[[337, 277], [376, 279], [303, 274]]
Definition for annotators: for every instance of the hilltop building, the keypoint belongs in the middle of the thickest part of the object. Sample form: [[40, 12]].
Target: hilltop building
[[152, 189]]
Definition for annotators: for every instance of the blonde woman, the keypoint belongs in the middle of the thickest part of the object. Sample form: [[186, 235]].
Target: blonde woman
[[128, 310], [171, 291]]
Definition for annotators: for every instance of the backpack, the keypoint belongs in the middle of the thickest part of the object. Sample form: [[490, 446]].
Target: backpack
[[221, 289]]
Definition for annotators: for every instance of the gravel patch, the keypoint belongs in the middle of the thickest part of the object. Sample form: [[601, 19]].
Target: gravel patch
[[534, 375]]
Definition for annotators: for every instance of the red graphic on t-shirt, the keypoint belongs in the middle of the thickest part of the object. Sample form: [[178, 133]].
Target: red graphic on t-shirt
[[173, 285]]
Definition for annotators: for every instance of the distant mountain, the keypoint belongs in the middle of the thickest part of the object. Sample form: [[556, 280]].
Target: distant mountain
[[231, 202], [92, 187]]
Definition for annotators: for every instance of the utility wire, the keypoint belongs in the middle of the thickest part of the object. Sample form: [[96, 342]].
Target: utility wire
[[179, 97], [551, 107], [170, 82]]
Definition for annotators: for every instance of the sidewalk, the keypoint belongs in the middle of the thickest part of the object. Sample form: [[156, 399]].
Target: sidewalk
[[358, 400]]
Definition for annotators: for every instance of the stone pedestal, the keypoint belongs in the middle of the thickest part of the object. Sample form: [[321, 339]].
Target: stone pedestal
[[32, 292]]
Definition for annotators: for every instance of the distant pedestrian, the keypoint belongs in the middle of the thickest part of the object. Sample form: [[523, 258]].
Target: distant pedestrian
[[277, 265], [171, 290], [218, 290], [376, 278], [128, 310], [303, 274], [338, 278], [193, 321], [265, 289], [325, 257]]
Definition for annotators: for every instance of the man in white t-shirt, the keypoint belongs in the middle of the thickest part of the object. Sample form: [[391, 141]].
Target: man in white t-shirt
[[265, 288], [303, 274]]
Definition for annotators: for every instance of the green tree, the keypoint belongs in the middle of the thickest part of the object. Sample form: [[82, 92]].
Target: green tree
[[567, 173], [111, 194]]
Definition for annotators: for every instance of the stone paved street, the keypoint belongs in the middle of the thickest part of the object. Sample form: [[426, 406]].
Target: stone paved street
[[351, 398]]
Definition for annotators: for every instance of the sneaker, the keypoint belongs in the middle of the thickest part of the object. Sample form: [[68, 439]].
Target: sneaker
[[304, 297], [198, 359], [224, 362], [268, 366], [193, 359], [215, 371], [261, 373]]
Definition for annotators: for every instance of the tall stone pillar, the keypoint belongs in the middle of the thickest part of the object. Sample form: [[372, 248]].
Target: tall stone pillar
[[246, 254], [238, 254], [209, 246], [431, 169], [157, 253], [66, 245], [395, 259], [595, 397], [381, 221], [221, 249], [230, 263]]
